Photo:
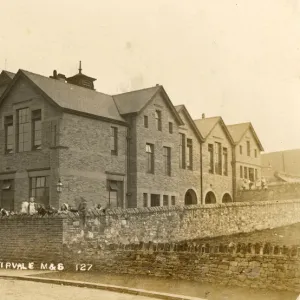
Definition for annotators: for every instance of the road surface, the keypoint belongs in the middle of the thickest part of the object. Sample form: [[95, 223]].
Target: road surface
[[27, 290]]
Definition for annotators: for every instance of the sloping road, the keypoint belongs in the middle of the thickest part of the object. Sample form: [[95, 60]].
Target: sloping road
[[26, 290]]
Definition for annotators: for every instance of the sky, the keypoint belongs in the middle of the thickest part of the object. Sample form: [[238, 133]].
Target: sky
[[236, 59]]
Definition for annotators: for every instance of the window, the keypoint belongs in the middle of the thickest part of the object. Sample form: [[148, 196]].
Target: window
[[115, 193], [23, 130], [165, 200], [145, 199], [150, 158], [173, 200], [181, 150], [189, 158], [255, 153], [225, 161], [170, 127], [146, 121], [36, 117], [251, 174], [245, 172], [8, 128], [218, 158], [211, 158], [158, 119], [155, 200], [39, 189], [248, 148], [256, 175], [167, 161], [7, 194], [241, 150], [241, 172], [114, 141]]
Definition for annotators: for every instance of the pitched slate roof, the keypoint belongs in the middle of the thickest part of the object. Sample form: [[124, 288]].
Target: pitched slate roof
[[237, 132], [182, 108], [133, 102], [136, 101], [206, 125], [9, 74], [73, 97]]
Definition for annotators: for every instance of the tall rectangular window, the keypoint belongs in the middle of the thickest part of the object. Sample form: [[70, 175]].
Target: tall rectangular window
[[115, 193], [211, 158], [23, 130], [7, 194], [54, 133], [218, 158], [170, 127], [248, 148], [8, 128], [150, 158], [39, 189], [158, 119], [167, 161], [245, 172], [36, 117], [251, 174], [173, 200], [146, 121], [241, 172], [114, 141], [189, 157], [255, 153], [145, 199], [256, 175], [241, 149], [225, 161], [155, 200], [165, 200], [182, 150]]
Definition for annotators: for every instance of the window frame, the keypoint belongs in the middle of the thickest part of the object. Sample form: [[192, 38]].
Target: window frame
[[170, 127], [8, 123], [146, 121], [182, 161], [189, 160], [167, 160], [114, 140], [19, 124], [158, 120], [225, 161], [34, 119], [211, 153], [150, 158]]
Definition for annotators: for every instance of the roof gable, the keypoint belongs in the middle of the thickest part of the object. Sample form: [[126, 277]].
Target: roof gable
[[71, 97], [207, 125], [137, 101], [182, 109], [238, 131]]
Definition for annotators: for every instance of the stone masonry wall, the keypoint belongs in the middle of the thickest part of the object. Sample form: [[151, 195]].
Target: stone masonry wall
[[276, 192], [175, 224], [252, 265]]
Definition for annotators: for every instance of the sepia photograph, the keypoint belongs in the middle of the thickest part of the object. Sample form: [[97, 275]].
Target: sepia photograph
[[150, 150]]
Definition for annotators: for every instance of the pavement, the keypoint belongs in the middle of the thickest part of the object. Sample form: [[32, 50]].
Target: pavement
[[13, 287]]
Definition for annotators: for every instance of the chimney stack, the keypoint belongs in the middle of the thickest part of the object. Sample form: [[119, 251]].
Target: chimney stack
[[203, 116]]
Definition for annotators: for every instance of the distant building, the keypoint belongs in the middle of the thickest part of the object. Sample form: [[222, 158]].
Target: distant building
[[247, 155], [286, 162], [216, 160]]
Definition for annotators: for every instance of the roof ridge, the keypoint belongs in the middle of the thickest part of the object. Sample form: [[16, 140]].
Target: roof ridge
[[207, 118], [134, 91], [62, 82], [237, 124]]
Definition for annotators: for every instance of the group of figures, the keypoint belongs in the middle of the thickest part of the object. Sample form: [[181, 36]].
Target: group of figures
[[31, 207], [260, 184]]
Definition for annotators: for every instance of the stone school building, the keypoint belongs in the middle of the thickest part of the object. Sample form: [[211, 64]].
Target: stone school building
[[61, 139]]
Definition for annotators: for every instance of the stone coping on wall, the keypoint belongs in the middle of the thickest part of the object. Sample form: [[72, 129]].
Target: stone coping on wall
[[149, 210]]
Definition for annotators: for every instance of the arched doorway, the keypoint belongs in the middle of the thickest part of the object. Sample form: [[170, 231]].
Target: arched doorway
[[226, 198], [210, 198], [190, 197]]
